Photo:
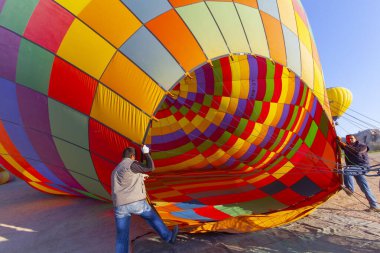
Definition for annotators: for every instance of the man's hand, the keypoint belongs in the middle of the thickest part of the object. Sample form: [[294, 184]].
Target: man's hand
[[145, 149], [340, 143], [145, 176]]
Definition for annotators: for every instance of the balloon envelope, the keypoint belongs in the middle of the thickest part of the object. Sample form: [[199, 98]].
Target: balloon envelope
[[229, 95], [340, 99]]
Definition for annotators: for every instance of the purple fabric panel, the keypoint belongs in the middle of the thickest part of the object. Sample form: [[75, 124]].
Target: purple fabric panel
[[9, 45], [35, 115], [2, 2]]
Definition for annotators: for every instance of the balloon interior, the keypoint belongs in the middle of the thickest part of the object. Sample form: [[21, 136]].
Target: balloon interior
[[229, 95]]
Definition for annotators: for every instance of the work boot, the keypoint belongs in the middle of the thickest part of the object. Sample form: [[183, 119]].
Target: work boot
[[373, 209], [174, 234]]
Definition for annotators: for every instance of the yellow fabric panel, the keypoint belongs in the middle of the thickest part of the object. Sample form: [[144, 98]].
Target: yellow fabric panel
[[283, 170], [7, 157], [218, 158], [319, 86], [299, 120], [307, 67], [273, 110], [232, 106], [85, 49], [315, 53], [75, 7], [256, 222], [287, 139], [284, 90], [267, 160], [46, 189], [242, 149], [285, 7], [235, 148], [196, 161], [303, 32], [258, 178], [256, 131], [111, 19], [122, 76], [189, 85], [119, 115]]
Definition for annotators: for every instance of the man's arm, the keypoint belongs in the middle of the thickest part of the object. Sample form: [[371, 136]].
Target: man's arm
[[138, 167]]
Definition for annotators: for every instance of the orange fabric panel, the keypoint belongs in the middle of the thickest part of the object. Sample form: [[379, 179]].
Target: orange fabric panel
[[111, 19], [275, 38], [179, 3], [173, 33], [252, 3]]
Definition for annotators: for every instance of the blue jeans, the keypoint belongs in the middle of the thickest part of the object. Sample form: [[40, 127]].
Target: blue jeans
[[123, 220], [362, 182]]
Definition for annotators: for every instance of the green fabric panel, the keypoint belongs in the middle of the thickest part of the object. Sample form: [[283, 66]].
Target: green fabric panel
[[89, 195], [269, 91], [173, 109], [303, 96], [294, 149], [311, 135], [258, 157], [257, 206], [241, 127], [218, 78], [68, 124], [204, 146], [183, 110], [196, 107], [324, 125], [34, 67], [258, 106], [79, 163], [229, 23], [15, 14], [254, 29], [201, 23], [223, 139], [207, 100], [278, 139], [173, 152], [293, 119]]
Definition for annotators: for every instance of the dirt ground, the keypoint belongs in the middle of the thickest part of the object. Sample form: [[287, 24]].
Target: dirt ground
[[31, 221]]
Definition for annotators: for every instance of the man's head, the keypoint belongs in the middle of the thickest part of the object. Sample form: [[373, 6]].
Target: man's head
[[350, 139], [129, 153]]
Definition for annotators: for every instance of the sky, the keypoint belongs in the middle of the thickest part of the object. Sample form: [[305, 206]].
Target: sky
[[347, 35]]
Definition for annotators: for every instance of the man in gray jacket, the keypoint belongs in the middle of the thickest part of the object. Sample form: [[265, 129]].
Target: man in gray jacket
[[129, 197]]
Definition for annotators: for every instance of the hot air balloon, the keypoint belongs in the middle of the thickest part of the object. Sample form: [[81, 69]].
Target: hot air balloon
[[340, 99], [5, 177], [229, 95]]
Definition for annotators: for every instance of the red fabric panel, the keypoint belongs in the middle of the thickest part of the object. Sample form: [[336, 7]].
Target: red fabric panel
[[211, 212], [71, 86], [288, 197], [227, 76], [234, 198], [48, 25]]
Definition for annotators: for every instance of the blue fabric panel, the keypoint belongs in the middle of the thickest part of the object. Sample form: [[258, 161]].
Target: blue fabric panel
[[148, 53], [191, 215], [146, 10], [270, 7]]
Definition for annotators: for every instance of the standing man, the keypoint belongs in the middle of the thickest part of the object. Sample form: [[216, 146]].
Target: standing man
[[129, 197], [356, 155]]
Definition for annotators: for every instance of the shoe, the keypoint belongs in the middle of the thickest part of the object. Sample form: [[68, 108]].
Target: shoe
[[174, 234], [373, 209], [347, 191]]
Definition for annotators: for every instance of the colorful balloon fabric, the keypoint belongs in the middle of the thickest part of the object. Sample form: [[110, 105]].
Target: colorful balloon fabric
[[340, 100], [229, 95]]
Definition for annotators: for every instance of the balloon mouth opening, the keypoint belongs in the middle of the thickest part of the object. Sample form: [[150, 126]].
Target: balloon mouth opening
[[238, 114]]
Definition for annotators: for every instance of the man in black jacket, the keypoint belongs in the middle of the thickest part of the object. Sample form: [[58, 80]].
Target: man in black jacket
[[356, 155]]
